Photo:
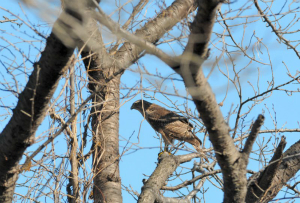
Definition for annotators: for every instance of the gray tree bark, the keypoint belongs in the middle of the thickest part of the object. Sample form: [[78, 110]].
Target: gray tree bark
[[166, 166], [105, 71], [104, 75], [233, 163], [265, 185], [30, 111]]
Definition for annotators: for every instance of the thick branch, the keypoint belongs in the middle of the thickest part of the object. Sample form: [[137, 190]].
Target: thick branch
[[150, 191], [143, 44], [167, 165], [63, 127], [233, 163], [107, 185], [105, 116], [187, 157], [30, 111], [253, 134], [153, 30], [262, 188]]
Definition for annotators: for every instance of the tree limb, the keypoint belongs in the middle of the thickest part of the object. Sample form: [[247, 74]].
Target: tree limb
[[153, 30], [232, 162], [188, 182], [265, 185], [166, 166], [186, 199], [30, 111], [253, 134], [100, 67]]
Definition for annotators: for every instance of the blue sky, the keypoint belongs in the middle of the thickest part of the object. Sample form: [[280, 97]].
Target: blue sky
[[135, 163]]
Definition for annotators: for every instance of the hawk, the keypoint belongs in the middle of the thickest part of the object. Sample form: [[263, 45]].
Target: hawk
[[169, 124]]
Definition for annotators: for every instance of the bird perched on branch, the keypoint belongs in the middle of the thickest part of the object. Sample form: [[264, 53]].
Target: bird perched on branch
[[169, 124]]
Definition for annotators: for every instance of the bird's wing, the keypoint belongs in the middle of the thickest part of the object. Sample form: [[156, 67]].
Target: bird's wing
[[173, 125], [160, 114], [180, 131]]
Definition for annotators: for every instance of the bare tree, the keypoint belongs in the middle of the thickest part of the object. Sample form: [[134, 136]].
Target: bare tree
[[221, 75]]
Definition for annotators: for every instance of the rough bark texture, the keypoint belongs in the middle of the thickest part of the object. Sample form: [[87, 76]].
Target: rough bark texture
[[154, 30], [104, 72], [105, 120], [104, 75], [232, 162], [265, 185], [151, 189], [30, 112], [105, 125], [287, 169], [166, 166]]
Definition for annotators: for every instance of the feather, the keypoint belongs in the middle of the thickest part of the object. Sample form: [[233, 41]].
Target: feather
[[169, 124]]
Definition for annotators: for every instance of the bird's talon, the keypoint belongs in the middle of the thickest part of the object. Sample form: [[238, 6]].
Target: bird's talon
[[160, 153]]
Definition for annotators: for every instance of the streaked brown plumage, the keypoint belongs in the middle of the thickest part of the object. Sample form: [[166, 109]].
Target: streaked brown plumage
[[169, 124]]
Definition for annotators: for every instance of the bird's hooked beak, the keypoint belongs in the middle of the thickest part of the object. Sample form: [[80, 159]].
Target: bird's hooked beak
[[132, 107]]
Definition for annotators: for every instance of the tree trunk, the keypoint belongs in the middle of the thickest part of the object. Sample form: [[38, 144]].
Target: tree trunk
[[105, 120], [105, 126], [30, 111], [104, 77]]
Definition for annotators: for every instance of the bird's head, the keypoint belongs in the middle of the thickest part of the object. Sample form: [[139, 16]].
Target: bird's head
[[139, 104]]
